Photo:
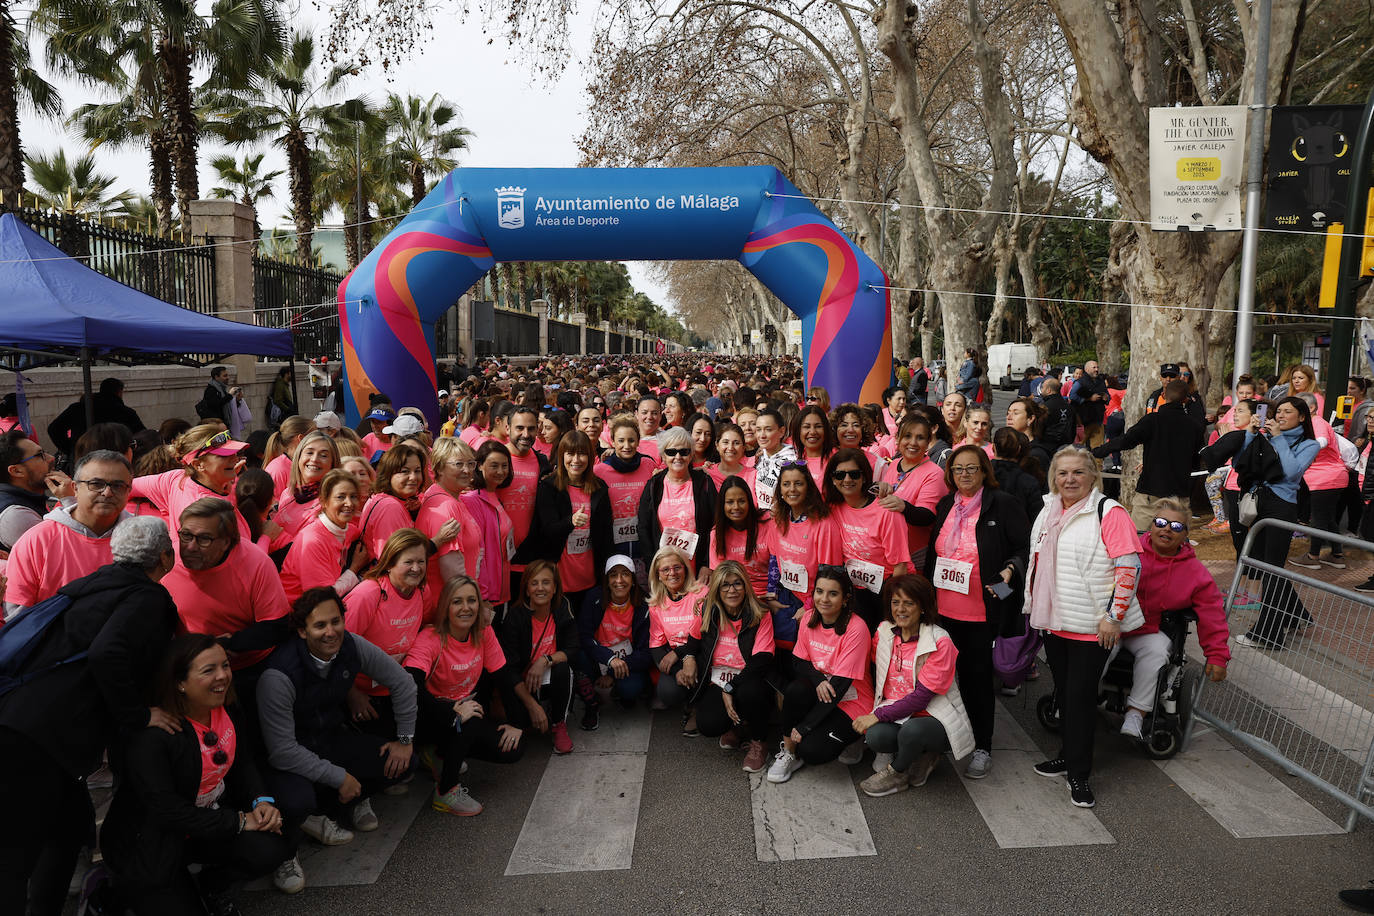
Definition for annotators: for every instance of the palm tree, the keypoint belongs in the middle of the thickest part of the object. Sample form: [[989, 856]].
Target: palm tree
[[19, 84], [424, 137], [244, 180], [290, 106], [73, 187], [354, 154], [94, 39]]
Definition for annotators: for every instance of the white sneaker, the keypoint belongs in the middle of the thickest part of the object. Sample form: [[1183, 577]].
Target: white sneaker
[[979, 765], [288, 878], [1133, 724], [784, 765], [364, 818], [325, 832], [1006, 691], [852, 754], [882, 762]]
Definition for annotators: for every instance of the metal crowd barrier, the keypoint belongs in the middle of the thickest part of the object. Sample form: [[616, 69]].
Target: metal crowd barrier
[[1308, 707]]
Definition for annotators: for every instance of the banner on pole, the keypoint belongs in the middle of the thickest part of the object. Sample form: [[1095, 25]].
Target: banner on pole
[[1196, 160], [1309, 165]]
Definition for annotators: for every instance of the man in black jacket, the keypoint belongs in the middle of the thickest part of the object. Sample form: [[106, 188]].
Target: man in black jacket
[[1172, 440], [1061, 420], [54, 728], [1090, 396], [109, 407]]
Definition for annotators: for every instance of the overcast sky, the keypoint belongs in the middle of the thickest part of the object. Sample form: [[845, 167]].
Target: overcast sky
[[520, 119]]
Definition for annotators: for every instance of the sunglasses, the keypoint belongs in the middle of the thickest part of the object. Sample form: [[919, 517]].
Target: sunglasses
[[676, 452], [1175, 527], [219, 758], [787, 465], [215, 441], [847, 475]]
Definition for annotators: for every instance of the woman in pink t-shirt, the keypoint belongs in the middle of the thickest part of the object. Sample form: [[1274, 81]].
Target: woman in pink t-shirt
[[212, 464], [830, 687], [801, 536], [730, 448], [442, 507], [387, 609], [977, 429], [673, 601], [678, 503], [729, 656], [281, 448], [854, 428], [738, 534], [703, 433], [493, 521], [316, 456], [979, 544], [322, 554], [456, 663], [402, 475], [814, 440], [572, 517], [625, 471], [912, 486], [872, 539], [1327, 478]]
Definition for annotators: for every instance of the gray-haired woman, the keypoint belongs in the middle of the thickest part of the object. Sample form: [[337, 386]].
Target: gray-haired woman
[[55, 727]]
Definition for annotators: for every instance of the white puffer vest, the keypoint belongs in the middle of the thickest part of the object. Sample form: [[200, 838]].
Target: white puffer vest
[[1084, 579], [947, 708]]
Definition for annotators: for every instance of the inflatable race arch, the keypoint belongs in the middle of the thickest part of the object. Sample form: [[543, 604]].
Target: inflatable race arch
[[475, 218]]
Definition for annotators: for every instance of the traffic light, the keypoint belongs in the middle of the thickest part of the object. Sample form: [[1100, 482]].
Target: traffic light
[[1331, 257]]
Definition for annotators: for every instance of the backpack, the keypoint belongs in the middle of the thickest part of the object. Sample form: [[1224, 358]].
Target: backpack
[[21, 636]]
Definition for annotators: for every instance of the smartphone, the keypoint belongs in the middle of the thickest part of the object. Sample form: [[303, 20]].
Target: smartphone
[[1001, 590], [1262, 412]]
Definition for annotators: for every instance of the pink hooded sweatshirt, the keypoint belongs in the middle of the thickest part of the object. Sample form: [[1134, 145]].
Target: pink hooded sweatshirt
[[1177, 583]]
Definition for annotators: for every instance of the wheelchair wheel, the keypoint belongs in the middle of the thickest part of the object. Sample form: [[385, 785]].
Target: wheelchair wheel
[[1047, 713], [1164, 744]]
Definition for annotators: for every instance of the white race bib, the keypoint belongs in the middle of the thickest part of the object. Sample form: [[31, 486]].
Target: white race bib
[[722, 675], [865, 575], [548, 676], [626, 530], [952, 575], [851, 694], [763, 495], [619, 650], [686, 541], [793, 576], [580, 541]]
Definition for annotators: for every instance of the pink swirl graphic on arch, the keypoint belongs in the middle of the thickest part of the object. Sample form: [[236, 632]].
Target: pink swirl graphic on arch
[[836, 299]]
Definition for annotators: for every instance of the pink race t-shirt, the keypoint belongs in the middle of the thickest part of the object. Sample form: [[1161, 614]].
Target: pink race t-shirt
[[474, 436], [718, 476], [436, 508], [372, 444], [624, 491], [173, 491], [959, 544], [840, 655], [617, 625], [382, 517], [316, 558], [736, 543], [239, 592], [677, 511], [575, 567], [47, 557], [1327, 471], [543, 637], [870, 536], [671, 623], [292, 515], [936, 673], [280, 470], [454, 668], [727, 650], [226, 740], [922, 486], [518, 498], [806, 545], [377, 612]]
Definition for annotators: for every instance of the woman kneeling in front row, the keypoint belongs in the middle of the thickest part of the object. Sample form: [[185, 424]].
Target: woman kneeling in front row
[[831, 687], [728, 656], [917, 711]]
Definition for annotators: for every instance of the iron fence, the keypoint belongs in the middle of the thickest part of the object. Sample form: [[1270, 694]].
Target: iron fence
[[1304, 702], [564, 339], [596, 341], [303, 298], [169, 268]]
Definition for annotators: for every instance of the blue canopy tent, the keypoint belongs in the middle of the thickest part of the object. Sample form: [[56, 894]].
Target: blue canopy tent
[[55, 308]]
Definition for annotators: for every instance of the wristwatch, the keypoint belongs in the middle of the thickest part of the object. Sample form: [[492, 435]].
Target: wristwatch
[[404, 740]]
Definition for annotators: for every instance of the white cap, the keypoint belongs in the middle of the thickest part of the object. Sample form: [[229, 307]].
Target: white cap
[[620, 560], [443, 392], [403, 426], [328, 419]]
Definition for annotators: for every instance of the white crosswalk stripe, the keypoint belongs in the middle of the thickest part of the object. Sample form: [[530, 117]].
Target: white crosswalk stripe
[[814, 815]]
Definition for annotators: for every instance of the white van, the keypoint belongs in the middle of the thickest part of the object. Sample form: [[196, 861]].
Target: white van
[[1018, 356]]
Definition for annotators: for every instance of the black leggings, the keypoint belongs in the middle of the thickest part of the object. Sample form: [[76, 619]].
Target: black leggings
[[974, 668], [829, 737], [1282, 608], [557, 694], [754, 704], [1077, 667], [238, 858], [48, 819], [359, 754], [1326, 507], [480, 738]]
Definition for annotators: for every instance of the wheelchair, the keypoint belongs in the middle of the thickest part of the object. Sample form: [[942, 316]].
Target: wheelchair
[[1166, 728]]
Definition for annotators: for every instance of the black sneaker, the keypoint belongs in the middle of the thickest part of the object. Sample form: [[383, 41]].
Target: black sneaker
[[1361, 899], [1080, 793], [1366, 586], [1056, 767], [591, 716]]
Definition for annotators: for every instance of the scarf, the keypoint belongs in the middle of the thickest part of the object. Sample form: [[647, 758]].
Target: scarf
[[488, 518], [621, 466], [966, 510], [1042, 585], [308, 492]]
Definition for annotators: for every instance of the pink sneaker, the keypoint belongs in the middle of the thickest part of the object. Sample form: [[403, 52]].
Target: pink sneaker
[[562, 743]]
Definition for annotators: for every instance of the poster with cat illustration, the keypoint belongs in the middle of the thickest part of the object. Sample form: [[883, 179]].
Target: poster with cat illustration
[[1308, 173]]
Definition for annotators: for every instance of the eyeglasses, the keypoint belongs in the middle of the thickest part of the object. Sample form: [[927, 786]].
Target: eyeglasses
[[219, 758], [732, 586], [676, 452], [796, 463], [200, 540], [1175, 527], [463, 465], [215, 441], [41, 453], [965, 470], [847, 475], [117, 487]]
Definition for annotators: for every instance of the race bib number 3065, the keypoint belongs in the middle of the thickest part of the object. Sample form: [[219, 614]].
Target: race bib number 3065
[[952, 575]]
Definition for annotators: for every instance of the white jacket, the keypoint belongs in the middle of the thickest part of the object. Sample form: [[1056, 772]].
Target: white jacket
[[1084, 578], [947, 708]]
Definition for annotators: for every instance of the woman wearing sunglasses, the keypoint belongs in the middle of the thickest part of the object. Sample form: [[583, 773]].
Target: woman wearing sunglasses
[[678, 504], [212, 463], [193, 795], [872, 539], [1172, 578], [979, 543]]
